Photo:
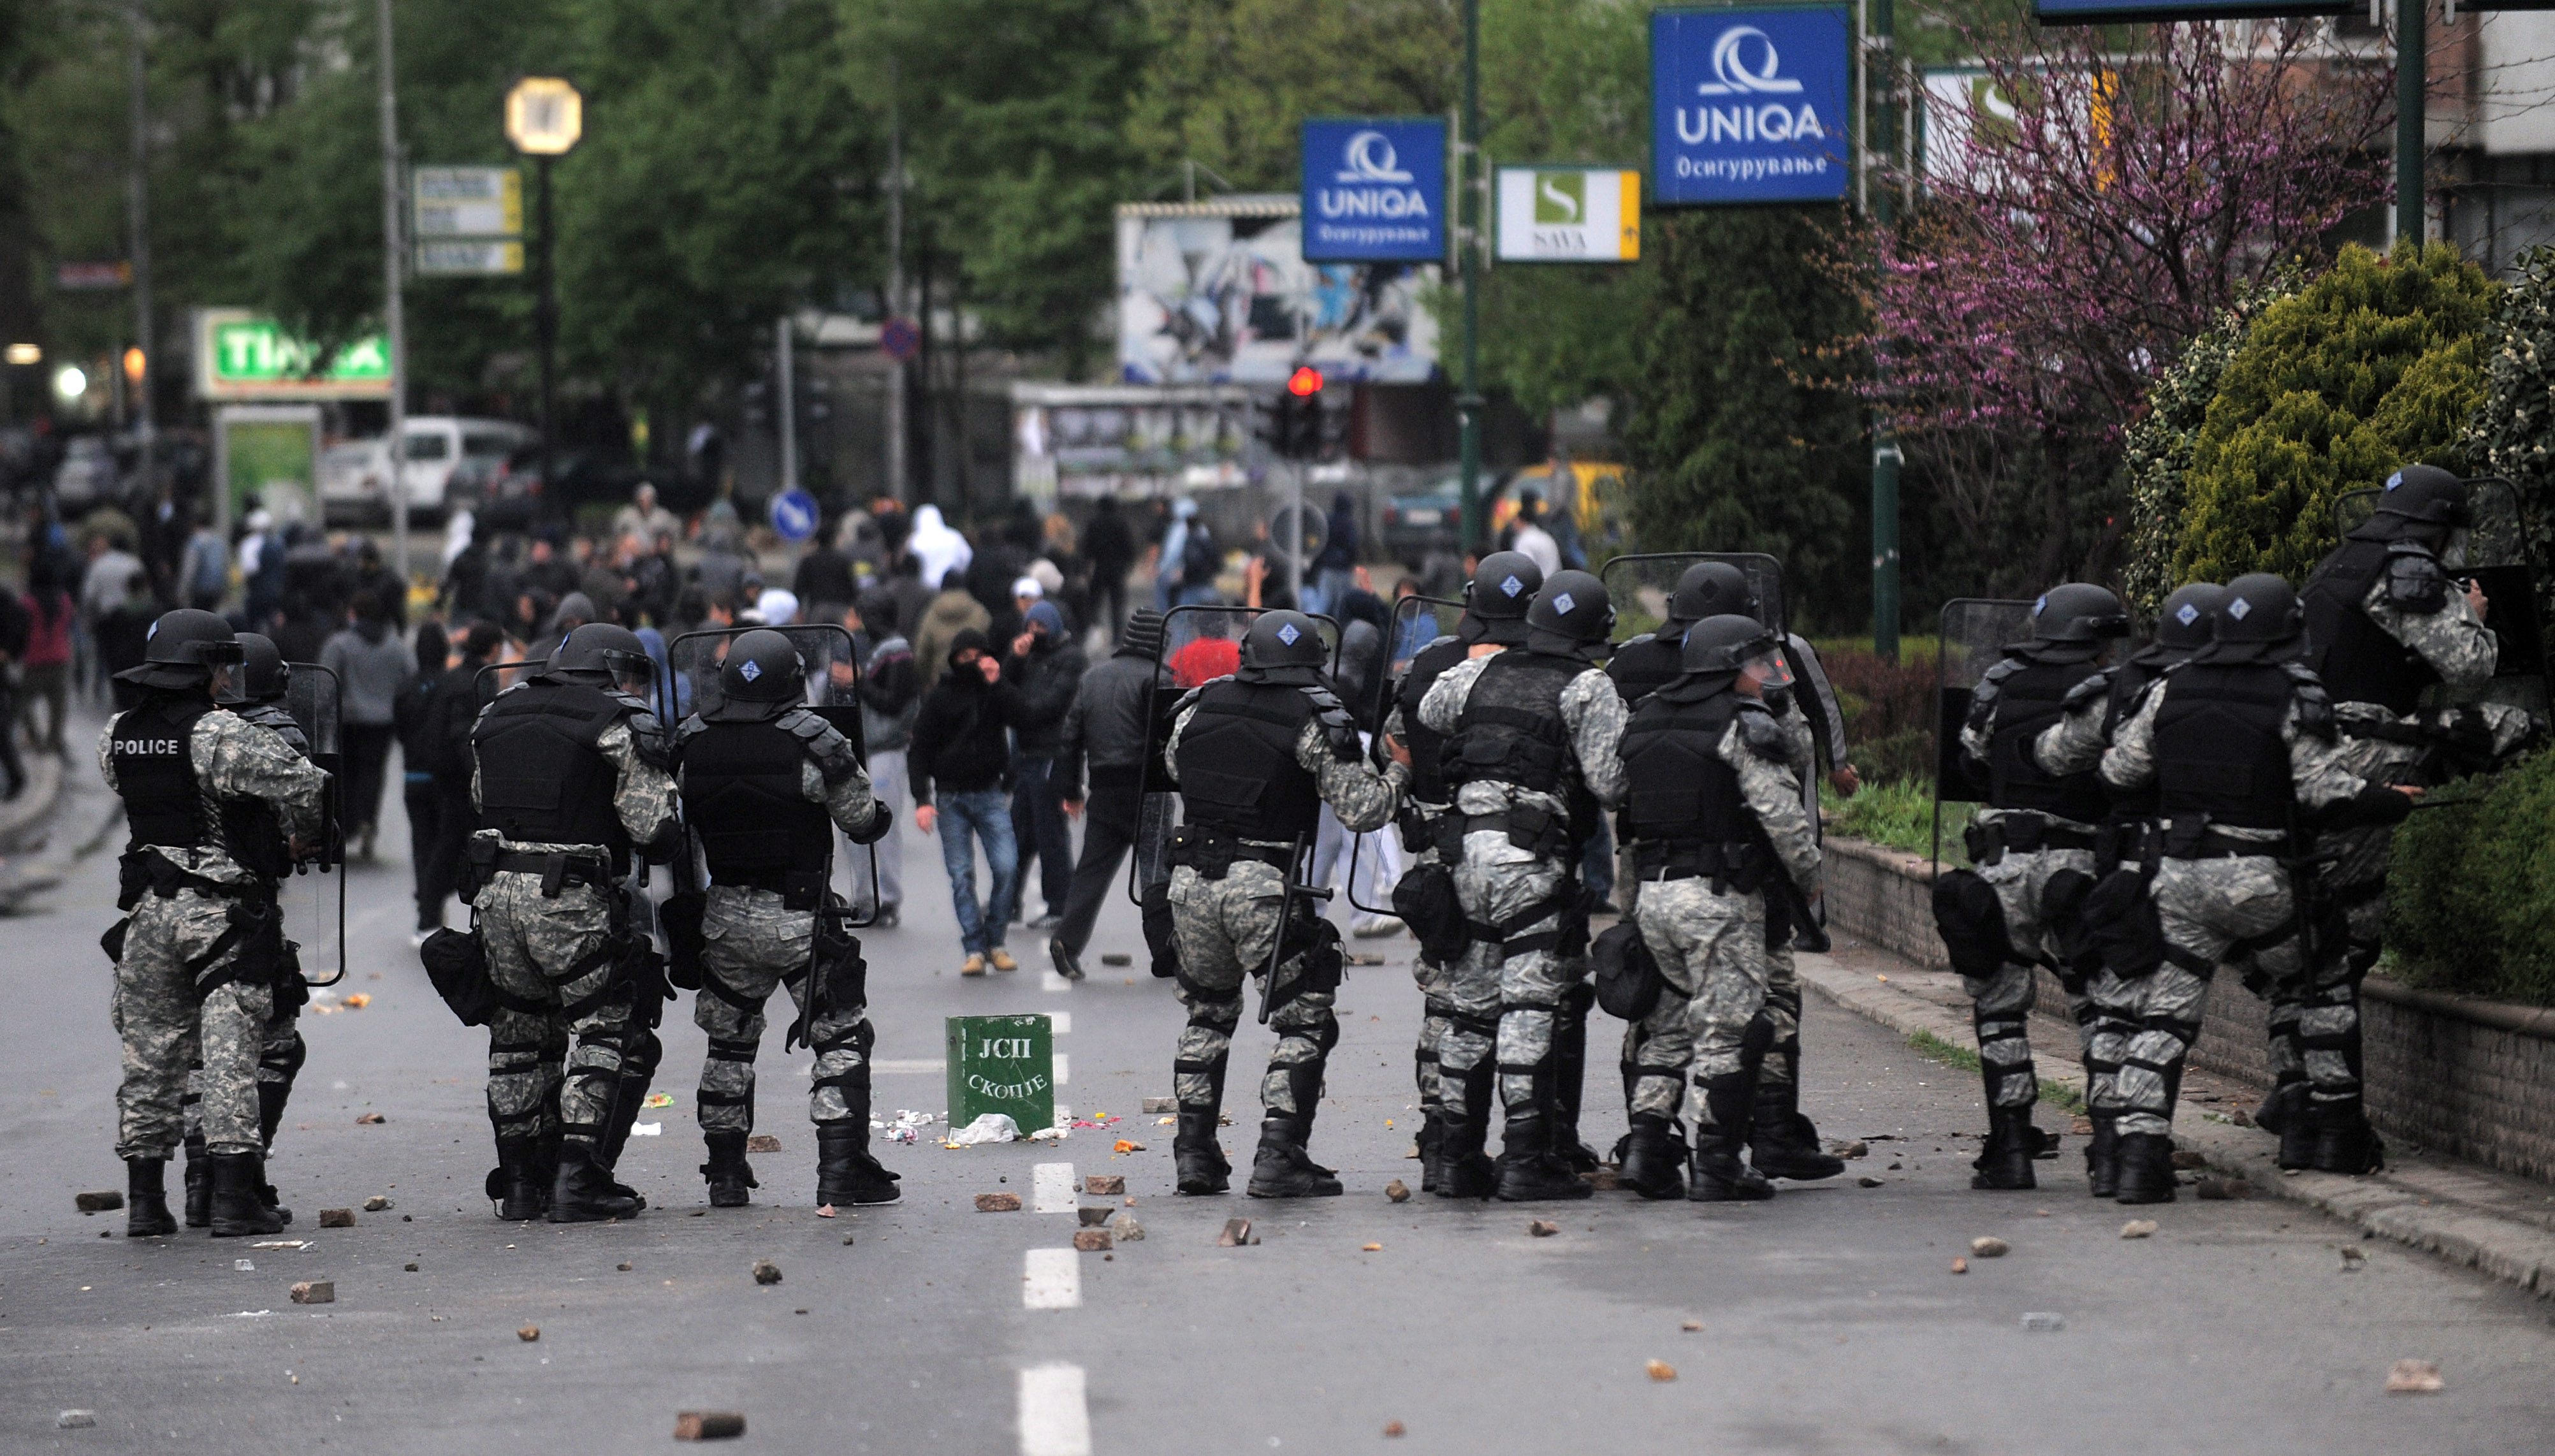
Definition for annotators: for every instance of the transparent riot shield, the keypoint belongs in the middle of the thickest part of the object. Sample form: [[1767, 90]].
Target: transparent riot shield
[[1975, 633], [1176, 670], [2497, 558], [312, 899], [1640, 588], [830, 678], [1417, 621]]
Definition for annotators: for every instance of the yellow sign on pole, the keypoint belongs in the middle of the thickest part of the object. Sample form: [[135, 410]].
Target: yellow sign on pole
[[545, 116]]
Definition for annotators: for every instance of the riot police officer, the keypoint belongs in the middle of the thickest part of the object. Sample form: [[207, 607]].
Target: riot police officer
[[1712, 800], [1504, 585], [2037, 827], [765, 783], [212, 805], [570, 775], [2242, 746], [1256, 756], [1646, 664], [2126, 852], [1531, 756], [264, 680]]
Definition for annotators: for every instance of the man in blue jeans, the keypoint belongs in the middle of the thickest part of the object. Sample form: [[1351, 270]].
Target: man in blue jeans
[[960, 769]]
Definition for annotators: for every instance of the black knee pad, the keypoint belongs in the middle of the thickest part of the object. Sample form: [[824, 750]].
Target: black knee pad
[[1758, 1039], [289, 1061], [640, 1052], [2062, 910], [1970, 919]]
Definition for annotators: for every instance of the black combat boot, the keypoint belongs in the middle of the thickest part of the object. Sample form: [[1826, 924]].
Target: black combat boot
[[519, 1185], [846, 1173], [1282, 1168], [1650, 1165], [583, 1191], [1782, 1142], [2005, 1163], [2103, 1154], [146, 1198], [1570, 1077], [1729, 1102], [238, 1211], [2146, 1166], [199, 1185], [1464, 1167], [1197, 1157], [2344, 1143], [1433, 1135], [727, 1172], [2284, 1109], [1531, 1168], [629, 1094]]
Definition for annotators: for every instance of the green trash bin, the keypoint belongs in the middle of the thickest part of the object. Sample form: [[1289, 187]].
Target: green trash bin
[[1004, 1064]]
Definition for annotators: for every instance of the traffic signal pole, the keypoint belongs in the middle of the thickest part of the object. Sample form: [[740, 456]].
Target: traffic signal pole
[[1879, 136], [2413, 62], [1468, 214]]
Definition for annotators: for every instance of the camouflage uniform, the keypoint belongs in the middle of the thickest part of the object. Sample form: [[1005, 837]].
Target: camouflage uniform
[[2001, 1003], [1498, 881], [548, 956], [169, 947]]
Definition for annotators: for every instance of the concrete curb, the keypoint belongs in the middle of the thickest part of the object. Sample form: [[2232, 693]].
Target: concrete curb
[[2382, 1205]]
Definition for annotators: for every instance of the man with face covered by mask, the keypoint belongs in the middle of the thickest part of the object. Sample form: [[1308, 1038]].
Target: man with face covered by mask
[[1494, 606]]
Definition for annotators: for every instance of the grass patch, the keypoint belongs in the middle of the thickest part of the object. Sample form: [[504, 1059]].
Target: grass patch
[[1900, 814], [1933, 1048]]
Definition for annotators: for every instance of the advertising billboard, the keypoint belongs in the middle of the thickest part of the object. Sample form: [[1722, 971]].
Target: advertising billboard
[[1569, 214], [1374, 189], [1751, 105]]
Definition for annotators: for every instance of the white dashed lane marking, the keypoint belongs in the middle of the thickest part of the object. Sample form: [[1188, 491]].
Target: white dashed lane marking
[[1051, 1278], [1055, 1421], [1051, 1188]]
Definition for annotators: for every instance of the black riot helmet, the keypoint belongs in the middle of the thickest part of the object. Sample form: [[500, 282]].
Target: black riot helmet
[[763, 666], [1571, 617], [1711, 589], [2422, 502], [1282, 647], [1725, 643], [2078, 613], [2186, 622], [265, 676], [602, 654], [1504, 585], [184, 648], [2259, 621]]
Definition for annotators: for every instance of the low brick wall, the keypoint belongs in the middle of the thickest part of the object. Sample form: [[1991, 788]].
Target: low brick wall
[[2455, 1074]]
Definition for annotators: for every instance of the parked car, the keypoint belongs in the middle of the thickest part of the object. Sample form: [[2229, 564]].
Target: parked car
[[433, 446], [517, 497], [1419, 522], [88, 475]]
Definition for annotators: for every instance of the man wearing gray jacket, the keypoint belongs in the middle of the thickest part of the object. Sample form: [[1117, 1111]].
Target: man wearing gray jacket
[[1105, 729]]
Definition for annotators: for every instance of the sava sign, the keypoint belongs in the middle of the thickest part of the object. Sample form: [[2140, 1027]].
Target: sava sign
[[1374, 189], [1751, 105]]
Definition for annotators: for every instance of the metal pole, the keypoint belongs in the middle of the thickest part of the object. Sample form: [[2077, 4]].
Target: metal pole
[[138, 205], [1884, 447], [394, 312], [1468, 401], [789, 411], [546, 323], [2411, 60], [896, 425], [1295, 533]]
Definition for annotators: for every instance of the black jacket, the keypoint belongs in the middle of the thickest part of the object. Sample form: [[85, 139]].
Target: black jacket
[[1046, 680], [1106, 727], [961, 738]]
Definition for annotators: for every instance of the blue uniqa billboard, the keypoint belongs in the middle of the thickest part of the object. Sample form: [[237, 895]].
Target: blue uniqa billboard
[[1374, 189], [1751, 104]]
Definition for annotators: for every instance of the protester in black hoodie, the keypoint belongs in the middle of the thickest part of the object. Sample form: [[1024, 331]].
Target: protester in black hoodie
[[1106, 731], [960, 764], [1046, 665]]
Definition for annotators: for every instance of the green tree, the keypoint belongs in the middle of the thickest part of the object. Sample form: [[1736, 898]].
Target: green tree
[[2513, 435], [2377, 364], [1735, 443]]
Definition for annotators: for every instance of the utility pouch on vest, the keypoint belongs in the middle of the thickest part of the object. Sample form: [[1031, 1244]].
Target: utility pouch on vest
[[1160, 937], [1425, 901], [1211, 855], [456, 962], [839, 969], [2022, 834], [2183, 837], [1971, 920], [479, 865], [801, 890], [680, 915], [1317, 959], [638, 966], [1628, 982], [1984, 845], [132, 878], [112, 942], [2119, 927], [2062, 910], [251, 949]]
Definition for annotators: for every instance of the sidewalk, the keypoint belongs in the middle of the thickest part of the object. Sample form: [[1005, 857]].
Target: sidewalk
[[2494, 1221]]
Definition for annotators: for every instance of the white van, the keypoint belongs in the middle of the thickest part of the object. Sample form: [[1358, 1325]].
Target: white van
[[352, 475]]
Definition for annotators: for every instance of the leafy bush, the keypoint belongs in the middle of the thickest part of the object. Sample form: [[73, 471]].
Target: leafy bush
[[2377, 364], [2512, 433], [1899, 813], [2472, 894]]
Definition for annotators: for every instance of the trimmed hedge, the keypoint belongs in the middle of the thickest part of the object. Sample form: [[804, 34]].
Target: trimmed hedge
[[2512, 433], [2472, 892], [2377, 364]]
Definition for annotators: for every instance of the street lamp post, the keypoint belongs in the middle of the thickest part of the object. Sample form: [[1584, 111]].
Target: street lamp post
[[394, 313], [545, 117], [1468, 214]]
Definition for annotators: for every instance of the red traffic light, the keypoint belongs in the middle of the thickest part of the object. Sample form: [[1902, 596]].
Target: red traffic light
[[1306, 382]]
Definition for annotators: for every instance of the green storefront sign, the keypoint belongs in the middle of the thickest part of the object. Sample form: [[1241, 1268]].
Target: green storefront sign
[[1004, 1064], [241, 355]]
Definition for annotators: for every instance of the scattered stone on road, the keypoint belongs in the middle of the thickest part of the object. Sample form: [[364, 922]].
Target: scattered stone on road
[[376, 1204], [1126, 1230], [998, 1203], [2043, 1323], [2185, 1157], [1543, 1227], [762, 1143], [1854, 1149], [72, 1420], [1867, 1181], [1369, 1248], [370, 1118], [1661, 1370], [2217, 1190], [2137, 1228], [106, 1202], [408, 1268], [766, 1271], [1091, 1241], [1960, 1266], [336, 1218], [1392, 1429], [1091, 1218], [1691, 1326], [709, 1426], [2354, 1257], [1116, 958], [1105, 1185], [529, 1333], [1161, 1104], [316, 1291], [1237, 1234], [1990, 1247], [2414, 1378], [623, 1266], [1398, 1190]]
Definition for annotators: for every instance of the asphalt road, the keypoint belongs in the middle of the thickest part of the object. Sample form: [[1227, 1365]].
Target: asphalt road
[[1826, 1321]]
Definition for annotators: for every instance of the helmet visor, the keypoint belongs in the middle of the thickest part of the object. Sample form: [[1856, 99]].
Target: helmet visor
[[1770, 668], [633, 672]]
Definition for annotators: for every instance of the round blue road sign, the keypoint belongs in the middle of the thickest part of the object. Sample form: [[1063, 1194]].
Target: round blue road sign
[[794, 515], [901, 339]]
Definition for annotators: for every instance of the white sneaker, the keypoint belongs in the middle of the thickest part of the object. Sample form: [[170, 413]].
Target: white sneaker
[[1373, 927]]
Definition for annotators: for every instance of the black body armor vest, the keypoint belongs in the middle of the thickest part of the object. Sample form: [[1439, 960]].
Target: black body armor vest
[[1237, 762], [2029, 701], [741, 795], [2357, 660], [541, 781], [163, 803], [1427, 745], [1645, 664], [1512, 730], [275, 718], [1681, 792], [2218, 744]]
